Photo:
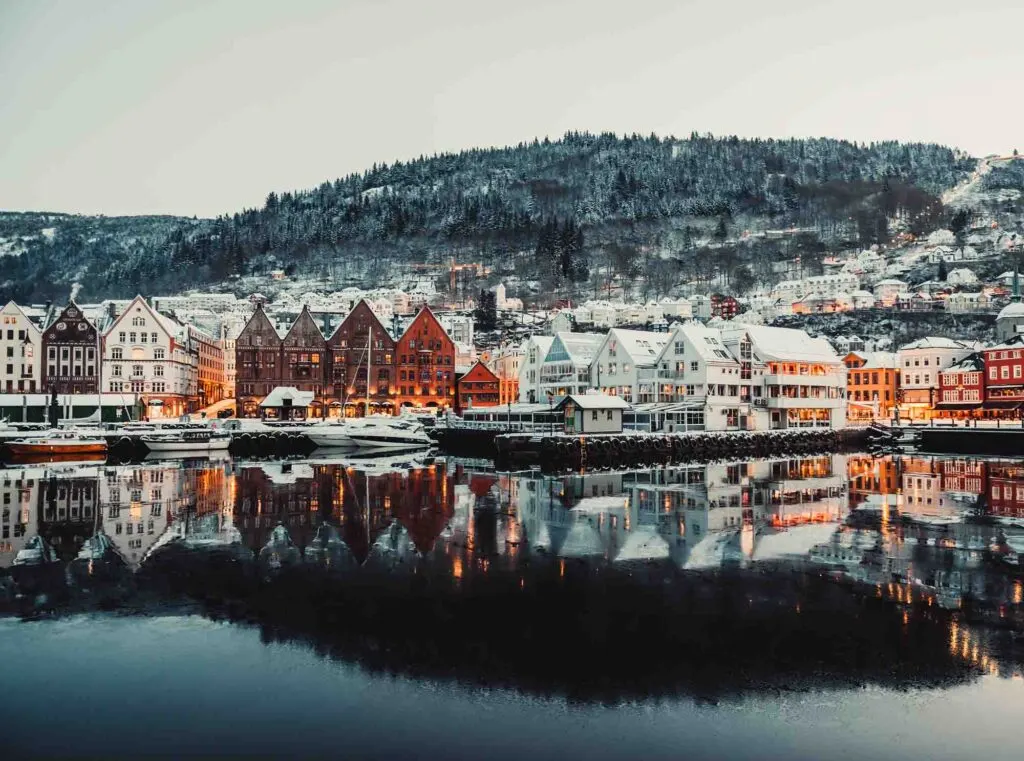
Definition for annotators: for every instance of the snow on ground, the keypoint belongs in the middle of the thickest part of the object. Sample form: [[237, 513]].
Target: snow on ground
[[48, 232]]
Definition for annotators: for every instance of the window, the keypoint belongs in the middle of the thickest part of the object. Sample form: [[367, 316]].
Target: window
[[117, 353], [1016, 371], [137, 371], [117, 371], [142, 338], [694, 366], [158, 371], [1004, 372], [132, 337], [152, 338], [992, 375], [121, 336], [593, 414], [159, 354]]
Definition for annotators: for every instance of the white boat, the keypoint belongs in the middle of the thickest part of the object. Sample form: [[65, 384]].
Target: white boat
[[36, 552], [390, 433], [189, 440], [334, 434]]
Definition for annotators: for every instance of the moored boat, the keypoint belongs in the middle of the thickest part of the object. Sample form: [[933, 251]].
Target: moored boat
[[390, 433], [187, 441], [58, 445]]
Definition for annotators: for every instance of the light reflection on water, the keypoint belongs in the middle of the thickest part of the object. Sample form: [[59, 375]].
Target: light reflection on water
[[934, 541]]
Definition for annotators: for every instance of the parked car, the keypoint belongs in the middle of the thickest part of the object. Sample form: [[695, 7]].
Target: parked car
[[226, 413]]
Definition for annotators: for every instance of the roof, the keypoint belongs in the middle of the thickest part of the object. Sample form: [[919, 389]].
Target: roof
[[789, 344], [971, 363], [936, 342], [877, 360], [643, 543], [642, 346], [579, 348], [595, 401], [889, 281], [706, 341], [296, 398], [1016, 309], [793, 542]]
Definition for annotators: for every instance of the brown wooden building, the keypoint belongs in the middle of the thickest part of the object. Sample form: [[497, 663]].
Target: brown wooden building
[[258, 361], [416, 370], [70, 358], [349, 359]]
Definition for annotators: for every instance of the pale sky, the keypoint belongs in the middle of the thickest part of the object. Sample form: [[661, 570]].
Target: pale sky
[[204, 106]]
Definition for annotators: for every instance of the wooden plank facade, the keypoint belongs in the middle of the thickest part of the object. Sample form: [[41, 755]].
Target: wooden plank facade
[[416, 370]]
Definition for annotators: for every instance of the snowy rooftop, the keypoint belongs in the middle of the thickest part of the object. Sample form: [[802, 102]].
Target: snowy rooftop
[[789, 344], [641, 345]]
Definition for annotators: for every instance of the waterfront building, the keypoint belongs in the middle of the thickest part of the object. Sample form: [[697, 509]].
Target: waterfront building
[[210, 371], [478, 387], [871, 385], [566, 366], [358, 349], [534, 350], [962, 387], [626, 364], [1004, 376], [505, 362], [70, 350], [257, 361], [920, 363], [21, 351], [151, 357], [425, 364]]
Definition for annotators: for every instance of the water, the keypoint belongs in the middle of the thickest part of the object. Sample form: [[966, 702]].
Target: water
[[837, 606]]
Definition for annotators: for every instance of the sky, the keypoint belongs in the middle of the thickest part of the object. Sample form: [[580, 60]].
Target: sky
[[202, 107]]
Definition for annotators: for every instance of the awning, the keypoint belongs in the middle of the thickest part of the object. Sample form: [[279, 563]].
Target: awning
[[998, 405], [959, 405]]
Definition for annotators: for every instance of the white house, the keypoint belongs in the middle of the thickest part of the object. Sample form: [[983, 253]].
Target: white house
[[149, 355], [626, 364], [887, 290], [961, 276], [534, 349], [21, 351], [566, 367], [680, 308], [593, 412]]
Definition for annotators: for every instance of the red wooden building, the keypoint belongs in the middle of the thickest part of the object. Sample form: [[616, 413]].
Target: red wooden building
[[479, 387], [1006, 490], [425, 364], [1004, 377], [962, 388]]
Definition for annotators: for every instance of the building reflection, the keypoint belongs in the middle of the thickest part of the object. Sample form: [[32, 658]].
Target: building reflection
[[942, 530]]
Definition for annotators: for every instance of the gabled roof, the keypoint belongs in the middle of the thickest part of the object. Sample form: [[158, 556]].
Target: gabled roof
[[11, 306], [706, 341], [578, 348], [303, 323], [543, 344], [643, 347], [782, 344], [362, 309], [277, 397], [425, 314], [937, 342], [969, 364], [595, 401], [259, 322], [479, 372]]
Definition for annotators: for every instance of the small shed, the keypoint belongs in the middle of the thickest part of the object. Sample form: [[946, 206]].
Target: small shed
[[286, 403], [592, 412]]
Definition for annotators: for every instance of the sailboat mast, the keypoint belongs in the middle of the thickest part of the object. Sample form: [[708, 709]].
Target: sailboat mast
[[369, 365]]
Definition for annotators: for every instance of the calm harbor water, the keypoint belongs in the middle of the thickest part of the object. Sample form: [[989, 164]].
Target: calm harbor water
[[839, 606]]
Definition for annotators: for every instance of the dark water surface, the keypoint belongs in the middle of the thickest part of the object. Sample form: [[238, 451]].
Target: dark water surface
[[827, 607]]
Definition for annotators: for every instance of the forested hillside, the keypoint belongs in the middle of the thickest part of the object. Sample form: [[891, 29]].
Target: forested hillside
[[560, 212]]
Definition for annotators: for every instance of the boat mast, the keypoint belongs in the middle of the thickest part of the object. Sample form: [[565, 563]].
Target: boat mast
[[369, 365]]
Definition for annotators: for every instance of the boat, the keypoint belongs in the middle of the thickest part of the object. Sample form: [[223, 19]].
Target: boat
[[390, 433], [334, 434], [36, 552], [187, 441], [57, 445]]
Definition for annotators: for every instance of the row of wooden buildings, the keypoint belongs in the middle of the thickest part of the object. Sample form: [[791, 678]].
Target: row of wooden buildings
[[360, 368]]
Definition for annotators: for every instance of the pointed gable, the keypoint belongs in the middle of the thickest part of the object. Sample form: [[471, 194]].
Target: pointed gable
[[259, 327], [71, 326], [356, 324], [304, 332], [480, 373], [425, 323]]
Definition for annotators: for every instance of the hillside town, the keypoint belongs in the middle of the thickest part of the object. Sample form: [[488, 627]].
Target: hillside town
[[696, 363]]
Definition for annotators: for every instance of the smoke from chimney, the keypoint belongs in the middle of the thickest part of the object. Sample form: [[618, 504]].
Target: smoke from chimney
[[75, 288]]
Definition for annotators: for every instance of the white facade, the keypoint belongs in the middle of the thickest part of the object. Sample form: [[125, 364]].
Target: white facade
[[566, 367], [21, 351], [886, 291], [626, 364], [458, 326], [534, 350], [148, 354], [919, 364]]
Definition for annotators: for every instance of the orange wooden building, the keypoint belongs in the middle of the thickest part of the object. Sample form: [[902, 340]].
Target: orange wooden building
[[479, 387]]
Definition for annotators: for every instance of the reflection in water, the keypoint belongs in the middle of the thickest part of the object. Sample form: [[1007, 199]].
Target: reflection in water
[[711, 557]]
